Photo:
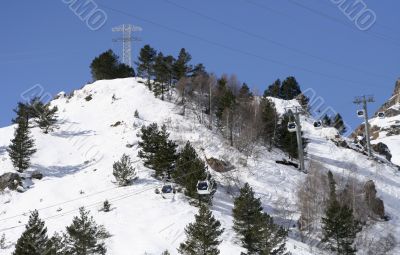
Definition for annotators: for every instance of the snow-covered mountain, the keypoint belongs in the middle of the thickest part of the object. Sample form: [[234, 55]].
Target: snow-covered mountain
[[97, 123]]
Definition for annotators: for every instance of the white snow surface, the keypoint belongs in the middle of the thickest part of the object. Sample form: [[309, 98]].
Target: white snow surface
[[77, 159]]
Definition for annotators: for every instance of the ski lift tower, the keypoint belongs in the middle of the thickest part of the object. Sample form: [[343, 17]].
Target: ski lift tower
[[127, 39], [364, 100], [296, 111]]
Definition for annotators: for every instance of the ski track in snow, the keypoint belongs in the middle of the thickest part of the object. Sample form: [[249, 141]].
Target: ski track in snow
[[77, 161]]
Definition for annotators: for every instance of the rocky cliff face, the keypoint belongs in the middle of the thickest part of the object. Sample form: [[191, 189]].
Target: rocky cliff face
[[389, 107]]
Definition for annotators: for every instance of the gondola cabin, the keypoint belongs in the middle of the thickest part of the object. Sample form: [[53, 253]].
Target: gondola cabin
[[204, 188], [381, 115], [291, 127], [318, 124], [360, 113]]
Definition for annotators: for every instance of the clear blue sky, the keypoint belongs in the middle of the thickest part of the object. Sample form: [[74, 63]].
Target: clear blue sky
[[43, 42]]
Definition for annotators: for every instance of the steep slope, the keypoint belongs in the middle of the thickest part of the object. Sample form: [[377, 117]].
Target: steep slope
[[77, 159]]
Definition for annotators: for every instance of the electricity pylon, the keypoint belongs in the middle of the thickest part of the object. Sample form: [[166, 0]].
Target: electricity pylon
[[127, 39], [364, 100]]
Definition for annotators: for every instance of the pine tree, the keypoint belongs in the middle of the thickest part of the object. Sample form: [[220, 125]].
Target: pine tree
[[163, 74], [339, 226], [273, 89], [158, 152], [274, 238], [107, 66], [145, 63], [123, 170], [326, 120], [338, 123], [248, 220], [84, 236], [202, 236], [225, 100], [47, 118], [270, 120], [285, 140], [34, 240], [166, 252], [181, 66], [290, 89], [22, 147], [189, 169], [56, 245]]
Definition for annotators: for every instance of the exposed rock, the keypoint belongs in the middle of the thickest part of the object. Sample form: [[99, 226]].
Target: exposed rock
[[219, 165], [375, 204], [36, 175], [382, 149], [10, 180]]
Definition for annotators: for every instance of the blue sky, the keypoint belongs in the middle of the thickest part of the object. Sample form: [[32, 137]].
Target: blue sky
[[44, 42]]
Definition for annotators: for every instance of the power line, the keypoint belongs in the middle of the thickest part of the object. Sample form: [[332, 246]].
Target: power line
[[236, 50], [376, 35], [274, 42]]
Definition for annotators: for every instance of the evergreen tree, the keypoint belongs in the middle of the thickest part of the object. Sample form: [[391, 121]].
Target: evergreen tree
[[198, 70], [326, 120], [34, 240], [145, 63], [123, 170], [84, 236], [163, 74], [285, 140], [107, 66], [338, 123], [274, 238], [56, 245], [339, 226], [225, 99], [273, 89], [248, 220], [22, 147], [202, 236], [158, 152], [270, 120], [189, 169], [289, 89], [27, 111], [181, 66], [47, 118], [166, 252]]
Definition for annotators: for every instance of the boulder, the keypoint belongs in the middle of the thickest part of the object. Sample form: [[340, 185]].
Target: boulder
[[36, 175], [219, 165], [382, 149], [10, 180]]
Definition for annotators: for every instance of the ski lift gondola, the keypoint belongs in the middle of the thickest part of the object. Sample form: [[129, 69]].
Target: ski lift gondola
[[381, 115], [167, 189], [360, 113], [318, 124], [204, 187], [291, 127]]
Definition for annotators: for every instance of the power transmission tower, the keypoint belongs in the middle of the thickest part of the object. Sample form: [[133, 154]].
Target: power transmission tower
[[296, 111], [364, 100], [127, 39]]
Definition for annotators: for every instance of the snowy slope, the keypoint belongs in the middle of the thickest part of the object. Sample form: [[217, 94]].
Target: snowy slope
[[77, 163]]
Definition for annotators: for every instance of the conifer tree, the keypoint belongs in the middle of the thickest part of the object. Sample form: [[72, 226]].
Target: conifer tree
[[163, 74], [202, 236], [273, 89], [47, 118], [123, 170], [56, 245], [270, 120], [158, 152], [285, 140], [326, 120], [289, 89], [145, 63], [22, 147], [181, 66], [34, 240], [339, 225], [107, 66], [249, 220], [274, 238], [84, 236], [338, 123], [189, 169]]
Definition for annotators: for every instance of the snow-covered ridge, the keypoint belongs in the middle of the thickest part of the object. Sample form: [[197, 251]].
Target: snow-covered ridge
[[77, 159]]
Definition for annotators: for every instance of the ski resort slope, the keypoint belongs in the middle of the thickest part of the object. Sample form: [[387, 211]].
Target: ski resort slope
[[97, 123]]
